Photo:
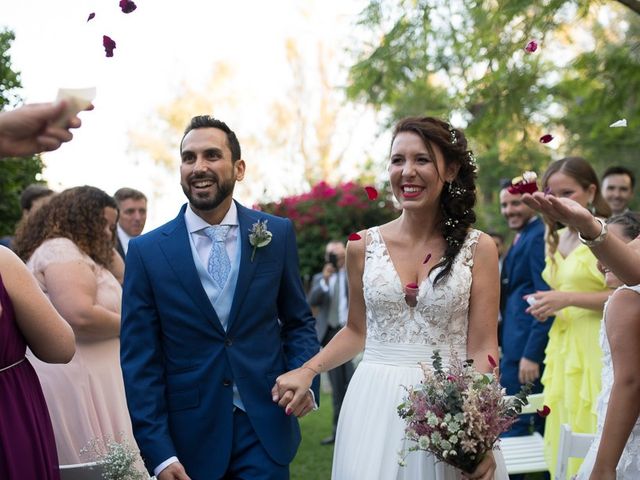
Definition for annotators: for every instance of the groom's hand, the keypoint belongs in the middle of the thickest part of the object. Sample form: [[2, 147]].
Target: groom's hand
[[175, 471]]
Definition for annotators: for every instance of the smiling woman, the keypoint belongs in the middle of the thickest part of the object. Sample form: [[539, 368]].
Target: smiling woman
[[402, 307]]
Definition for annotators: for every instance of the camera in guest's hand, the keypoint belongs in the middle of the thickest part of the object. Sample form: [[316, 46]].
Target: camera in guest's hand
[[333, 260]]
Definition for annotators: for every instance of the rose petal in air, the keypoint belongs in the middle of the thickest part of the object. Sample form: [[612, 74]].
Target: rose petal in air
[[619, 124], [544, 412], [546, 138], [426, 260], [91, 16], [547, 190], [492, 361], [354, 236], [372, 193], [108, 44], [127, 6], [531, 47]]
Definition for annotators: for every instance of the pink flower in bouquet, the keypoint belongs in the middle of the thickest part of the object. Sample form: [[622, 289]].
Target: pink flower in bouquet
[[411, 294]]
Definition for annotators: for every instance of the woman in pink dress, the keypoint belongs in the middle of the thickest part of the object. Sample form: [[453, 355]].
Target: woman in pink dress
[[68, 245]]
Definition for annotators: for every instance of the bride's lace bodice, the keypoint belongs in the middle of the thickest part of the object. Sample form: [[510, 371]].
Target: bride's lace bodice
[[441, 314]]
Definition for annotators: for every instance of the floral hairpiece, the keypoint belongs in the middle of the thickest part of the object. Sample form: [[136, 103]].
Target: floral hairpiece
[[524, 184], [452, 132]]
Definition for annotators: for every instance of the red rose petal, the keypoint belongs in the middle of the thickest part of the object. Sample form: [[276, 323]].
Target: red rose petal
[[531, 47], [546, 138], [108, 44], [412, 285], [91, 16], [521, 188], [372, 193], [354, 236], [427, 258], [492, 361], [544, 412], [127, 6]]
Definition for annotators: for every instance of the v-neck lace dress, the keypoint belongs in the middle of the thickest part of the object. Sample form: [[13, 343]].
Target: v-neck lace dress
[[370, 433]]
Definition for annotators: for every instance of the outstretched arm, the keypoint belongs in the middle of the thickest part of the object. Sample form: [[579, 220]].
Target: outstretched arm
[[623, 259], [623, 331]]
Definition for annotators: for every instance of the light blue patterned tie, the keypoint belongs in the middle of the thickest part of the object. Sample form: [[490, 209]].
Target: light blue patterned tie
[[219, 264]]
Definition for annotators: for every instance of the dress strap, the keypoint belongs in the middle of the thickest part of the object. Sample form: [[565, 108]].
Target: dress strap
[[13, 365]]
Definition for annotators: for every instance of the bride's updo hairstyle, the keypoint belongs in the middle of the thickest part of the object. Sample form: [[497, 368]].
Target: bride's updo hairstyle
[[458, 197]]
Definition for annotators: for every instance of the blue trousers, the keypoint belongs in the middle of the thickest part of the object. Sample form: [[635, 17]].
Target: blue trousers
[[249, 460]]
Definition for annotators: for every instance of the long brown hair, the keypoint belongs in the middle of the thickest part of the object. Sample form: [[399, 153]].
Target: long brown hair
[[456, 208], [77, 214], [584, 174]]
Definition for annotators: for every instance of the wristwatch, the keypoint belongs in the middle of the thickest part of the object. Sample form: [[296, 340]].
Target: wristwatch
[[599, 239]]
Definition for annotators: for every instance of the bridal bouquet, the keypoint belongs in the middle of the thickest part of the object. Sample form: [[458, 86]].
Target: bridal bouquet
[[457, 413]]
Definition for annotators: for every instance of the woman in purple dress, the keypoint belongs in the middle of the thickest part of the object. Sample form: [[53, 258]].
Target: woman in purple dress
[[27, 318]]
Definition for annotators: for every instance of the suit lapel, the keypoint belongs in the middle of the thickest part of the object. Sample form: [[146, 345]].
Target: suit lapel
[[246, 218], [176, 246]]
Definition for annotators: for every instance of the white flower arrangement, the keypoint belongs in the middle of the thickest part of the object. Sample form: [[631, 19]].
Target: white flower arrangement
[[118, 459]]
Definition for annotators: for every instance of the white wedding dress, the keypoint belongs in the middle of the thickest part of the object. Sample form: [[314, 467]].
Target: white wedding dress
[[370, 433], [629, 465]]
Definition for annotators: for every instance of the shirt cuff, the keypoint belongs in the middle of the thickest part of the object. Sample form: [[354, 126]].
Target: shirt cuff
[[313, 396], [163, 465]]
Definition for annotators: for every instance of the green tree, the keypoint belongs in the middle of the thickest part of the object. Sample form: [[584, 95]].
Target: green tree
[[465, 61], [15, 173]]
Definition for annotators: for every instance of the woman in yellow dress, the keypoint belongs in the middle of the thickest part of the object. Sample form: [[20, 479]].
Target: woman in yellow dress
[[573, 364]]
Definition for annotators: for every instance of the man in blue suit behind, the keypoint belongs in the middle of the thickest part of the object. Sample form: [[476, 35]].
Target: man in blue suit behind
[[523, 338], [213, 311]]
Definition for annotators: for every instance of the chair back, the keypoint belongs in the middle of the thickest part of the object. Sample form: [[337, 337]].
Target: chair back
[[571, 445]]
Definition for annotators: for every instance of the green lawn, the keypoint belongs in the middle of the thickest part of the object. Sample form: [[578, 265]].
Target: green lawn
[[313, 461]]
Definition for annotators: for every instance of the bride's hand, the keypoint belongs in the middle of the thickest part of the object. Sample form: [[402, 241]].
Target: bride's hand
[[485, 469], [291, 390]]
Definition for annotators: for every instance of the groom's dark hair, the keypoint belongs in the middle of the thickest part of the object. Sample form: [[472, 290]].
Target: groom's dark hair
[[207, 121]]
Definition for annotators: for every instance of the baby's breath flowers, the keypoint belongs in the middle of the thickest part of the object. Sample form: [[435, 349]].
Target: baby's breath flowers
[[118, 459]]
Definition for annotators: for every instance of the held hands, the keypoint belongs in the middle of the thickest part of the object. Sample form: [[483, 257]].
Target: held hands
[[485, 469], [174, 471], [546, 304], [291, 391]]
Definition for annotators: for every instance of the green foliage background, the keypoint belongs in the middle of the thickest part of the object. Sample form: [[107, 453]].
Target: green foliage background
[[464, 61], [15, 173]]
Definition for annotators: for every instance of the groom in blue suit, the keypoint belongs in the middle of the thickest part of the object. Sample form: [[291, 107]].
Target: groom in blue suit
[[213, 311], [523, 338]]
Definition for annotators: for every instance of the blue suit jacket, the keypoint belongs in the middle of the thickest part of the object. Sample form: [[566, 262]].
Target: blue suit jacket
[[179, 364], [522, 335]]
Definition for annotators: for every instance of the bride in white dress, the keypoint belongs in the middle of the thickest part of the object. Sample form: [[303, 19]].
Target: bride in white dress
[[615, 454], [432, 175]]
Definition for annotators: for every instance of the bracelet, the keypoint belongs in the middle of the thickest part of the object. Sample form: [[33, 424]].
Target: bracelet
[[599, 239], [312, 369]]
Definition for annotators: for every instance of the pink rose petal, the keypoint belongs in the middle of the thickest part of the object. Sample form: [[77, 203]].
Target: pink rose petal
[[354, 236], [127, 6], [531, 47], [91, 16], [521, 188], [544, 412], [372, 193], [426, 260], [546, 138], [108, 44], [412, 285]]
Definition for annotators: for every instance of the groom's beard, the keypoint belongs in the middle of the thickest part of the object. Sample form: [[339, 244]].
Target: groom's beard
[[224, 189]]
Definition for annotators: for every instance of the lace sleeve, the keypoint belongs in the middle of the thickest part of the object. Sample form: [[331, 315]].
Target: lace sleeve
[[56, 250]]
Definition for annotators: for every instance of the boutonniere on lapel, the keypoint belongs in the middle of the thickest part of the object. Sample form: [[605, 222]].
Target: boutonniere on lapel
[[259, 236]]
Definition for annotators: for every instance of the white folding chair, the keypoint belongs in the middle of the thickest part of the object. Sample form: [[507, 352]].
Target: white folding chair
[[525, 453], [81, 471], [571, 445]]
